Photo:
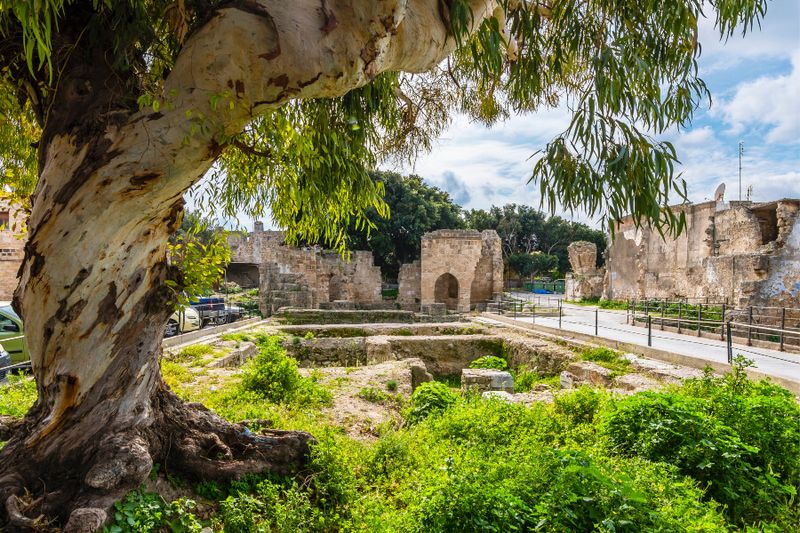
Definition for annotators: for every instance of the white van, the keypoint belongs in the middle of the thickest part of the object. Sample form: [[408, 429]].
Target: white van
[[182, 321]]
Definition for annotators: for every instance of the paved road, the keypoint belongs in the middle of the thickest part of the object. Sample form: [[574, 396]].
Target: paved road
[[611, 325]]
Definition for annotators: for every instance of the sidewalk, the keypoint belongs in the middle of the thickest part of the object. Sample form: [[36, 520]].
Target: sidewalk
[[612, 326]]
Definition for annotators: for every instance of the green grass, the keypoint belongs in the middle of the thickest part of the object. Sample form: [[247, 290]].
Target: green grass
[[607, 358], [18, 395]]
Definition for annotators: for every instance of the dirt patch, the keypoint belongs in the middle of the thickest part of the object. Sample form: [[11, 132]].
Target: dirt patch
[[363, 399]]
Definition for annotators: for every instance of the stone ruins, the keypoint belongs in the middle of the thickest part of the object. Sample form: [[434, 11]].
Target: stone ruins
[[458, 270], [744, 253], [585, 280], [11, 249]]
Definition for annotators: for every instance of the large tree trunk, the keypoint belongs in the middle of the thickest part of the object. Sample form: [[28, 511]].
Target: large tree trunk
[[92, 289]]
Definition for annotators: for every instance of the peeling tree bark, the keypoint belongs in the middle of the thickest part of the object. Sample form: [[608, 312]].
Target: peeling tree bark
[[92, 289]]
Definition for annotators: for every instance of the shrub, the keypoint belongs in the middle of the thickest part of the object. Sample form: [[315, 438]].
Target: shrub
[[240, 512], [230, 287], [489, 361], [146, 511], [391, 385], [525, 379], [739, 438], [274, 376], [429, 398], [581, 405]]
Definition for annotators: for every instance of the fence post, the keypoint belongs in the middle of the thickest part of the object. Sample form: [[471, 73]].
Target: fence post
[[662, 314], [783, 324], [649, 330], [680, 315], [750, 326], [596, 315], [722, 322], [699, 318], [559, 314], [730, 342]]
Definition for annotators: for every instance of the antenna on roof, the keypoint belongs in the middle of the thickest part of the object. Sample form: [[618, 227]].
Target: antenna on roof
[[741, 152]]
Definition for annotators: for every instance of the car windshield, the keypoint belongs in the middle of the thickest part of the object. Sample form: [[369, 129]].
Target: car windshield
[[8, 310]]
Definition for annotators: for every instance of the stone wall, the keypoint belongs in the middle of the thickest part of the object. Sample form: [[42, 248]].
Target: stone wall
[[745, 253], [459, 268], [408, 280], [302, 277], [11, 249]]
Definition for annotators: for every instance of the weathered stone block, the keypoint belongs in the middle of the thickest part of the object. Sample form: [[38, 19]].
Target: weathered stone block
[[487, 379], [434, 309], [589, 372], [237, 356]]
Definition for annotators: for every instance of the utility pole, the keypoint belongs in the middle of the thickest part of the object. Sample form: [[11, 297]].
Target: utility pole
[[741, 151]]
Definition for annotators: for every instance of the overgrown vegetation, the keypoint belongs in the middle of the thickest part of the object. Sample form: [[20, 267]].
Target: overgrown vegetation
[[18, 395], [716, 454], [607, 358], [489, 361]]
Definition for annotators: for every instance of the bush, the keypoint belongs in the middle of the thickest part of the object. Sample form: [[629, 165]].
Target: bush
[[230, 287], [493, 466], [740, 439], [274, 376], [489, 361], [581, 405], [525, 380], [146, 511], [429, 398], [391, 385]]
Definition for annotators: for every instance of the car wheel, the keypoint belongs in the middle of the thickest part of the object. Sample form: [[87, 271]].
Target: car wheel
[[171, 329]]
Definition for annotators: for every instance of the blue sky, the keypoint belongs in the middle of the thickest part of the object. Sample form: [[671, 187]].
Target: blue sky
[[755, 87]]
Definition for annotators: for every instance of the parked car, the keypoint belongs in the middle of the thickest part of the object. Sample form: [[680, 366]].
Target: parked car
[[213, 311], [183, 321], [12, 334], [5, 362]]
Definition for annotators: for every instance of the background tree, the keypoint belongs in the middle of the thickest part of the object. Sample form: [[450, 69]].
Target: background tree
[[524, 229], [531, 264], [287, 103], [415, 208]]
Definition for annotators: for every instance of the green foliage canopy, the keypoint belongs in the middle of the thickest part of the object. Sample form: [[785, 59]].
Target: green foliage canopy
[[524, 229], [415, 209], [627, 69]]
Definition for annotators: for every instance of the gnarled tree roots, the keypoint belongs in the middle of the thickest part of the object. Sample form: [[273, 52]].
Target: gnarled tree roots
[[187, 440]]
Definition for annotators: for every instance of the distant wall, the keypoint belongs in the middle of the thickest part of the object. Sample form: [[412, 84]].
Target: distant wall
[[11, 249], [745, 253]]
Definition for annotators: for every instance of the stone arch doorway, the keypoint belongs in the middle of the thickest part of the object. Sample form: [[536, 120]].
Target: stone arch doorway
[[446, 291]]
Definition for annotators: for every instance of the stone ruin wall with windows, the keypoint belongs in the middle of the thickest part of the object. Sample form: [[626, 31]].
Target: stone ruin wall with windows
[[11, 248], [458, 270], [743, 252]]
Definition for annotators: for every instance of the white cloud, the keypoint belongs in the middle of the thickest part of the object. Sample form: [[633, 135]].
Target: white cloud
[[777, 37], [772, 102]]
